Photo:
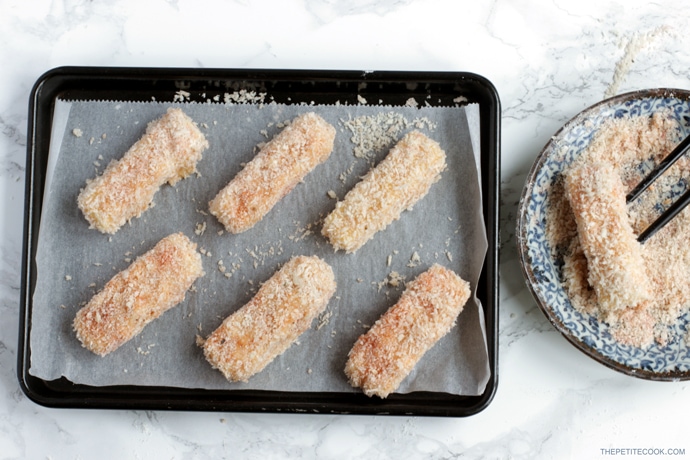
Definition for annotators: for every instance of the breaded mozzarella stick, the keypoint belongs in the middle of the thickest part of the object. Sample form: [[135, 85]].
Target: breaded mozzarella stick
[[282, 309], [428, 308], [155, 282], [394, 185], [278, 167], [168, 152], [617, 270]]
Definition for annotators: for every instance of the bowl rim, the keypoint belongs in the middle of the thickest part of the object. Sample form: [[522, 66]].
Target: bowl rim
[[521, 229]]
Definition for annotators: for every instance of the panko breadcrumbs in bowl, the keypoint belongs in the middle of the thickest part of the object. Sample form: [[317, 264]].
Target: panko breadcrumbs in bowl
[[623, 303]]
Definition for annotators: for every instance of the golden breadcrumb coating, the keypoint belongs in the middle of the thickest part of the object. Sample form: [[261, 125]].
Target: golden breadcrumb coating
[[617, 269], [168, 152], [428, 308], [394, 185], [278, 167], [282, 309], [155, 282], [626, 143]]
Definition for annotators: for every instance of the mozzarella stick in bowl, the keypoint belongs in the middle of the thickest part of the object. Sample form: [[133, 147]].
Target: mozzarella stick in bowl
[[617, 270], [282, 310], [428, 308], [278, 167], [154, 283], [398, 182], [168, 152]]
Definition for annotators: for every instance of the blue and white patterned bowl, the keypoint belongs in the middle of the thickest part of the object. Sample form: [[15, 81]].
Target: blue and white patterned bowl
[[543, 272]]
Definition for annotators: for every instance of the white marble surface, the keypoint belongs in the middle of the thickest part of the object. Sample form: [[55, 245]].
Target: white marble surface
[[548, 61]]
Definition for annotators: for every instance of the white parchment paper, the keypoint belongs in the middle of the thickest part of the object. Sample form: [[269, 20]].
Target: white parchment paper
[[74, 262]]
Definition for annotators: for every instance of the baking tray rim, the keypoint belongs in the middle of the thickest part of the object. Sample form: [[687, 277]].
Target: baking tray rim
[[62, 393]]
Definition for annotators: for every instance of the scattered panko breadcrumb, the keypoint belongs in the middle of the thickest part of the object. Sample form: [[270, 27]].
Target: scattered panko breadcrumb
[[372, 134], [200, 228], [415, 260], [244, 96], [393, 279], [324, 319]]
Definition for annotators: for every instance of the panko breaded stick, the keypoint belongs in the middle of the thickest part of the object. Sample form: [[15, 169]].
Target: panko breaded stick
[[282, 309], [278, 167], [617, 269], [155, 282], [394, 185], [168, 152], [428, 308]]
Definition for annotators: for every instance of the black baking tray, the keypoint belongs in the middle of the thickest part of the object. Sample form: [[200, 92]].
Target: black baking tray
[[284, 86]]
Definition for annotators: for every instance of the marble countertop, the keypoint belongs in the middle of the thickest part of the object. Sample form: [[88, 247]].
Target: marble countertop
[[548, 61]]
